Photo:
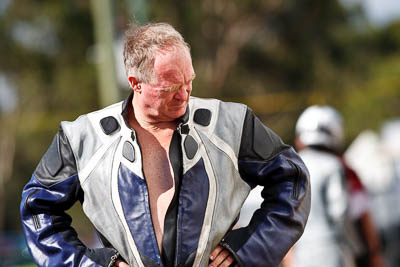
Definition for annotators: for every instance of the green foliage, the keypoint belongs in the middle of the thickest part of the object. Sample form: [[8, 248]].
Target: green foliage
[[308, 52]]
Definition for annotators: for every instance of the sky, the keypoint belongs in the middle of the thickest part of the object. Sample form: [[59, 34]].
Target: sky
[[379, 12]]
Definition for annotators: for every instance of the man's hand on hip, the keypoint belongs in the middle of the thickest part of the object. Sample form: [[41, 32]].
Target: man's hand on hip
[[221, 257], [120, 263]]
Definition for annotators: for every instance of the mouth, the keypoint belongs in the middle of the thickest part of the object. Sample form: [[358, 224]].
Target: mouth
[[179, 106]]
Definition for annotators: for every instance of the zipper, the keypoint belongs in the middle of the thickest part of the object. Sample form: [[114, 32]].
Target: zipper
[[177, 235], [295, 193], [179, 129], [35, 218], [113, 259], [182, 128]]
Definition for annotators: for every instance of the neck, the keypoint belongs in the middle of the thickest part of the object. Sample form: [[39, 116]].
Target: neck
[[137, 118]]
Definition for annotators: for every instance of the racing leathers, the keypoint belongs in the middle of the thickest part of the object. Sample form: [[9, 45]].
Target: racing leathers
[[219, 152]]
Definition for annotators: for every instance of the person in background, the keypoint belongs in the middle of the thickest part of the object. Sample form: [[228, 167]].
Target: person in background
[[376, 159], [162, 175], [340, 232]]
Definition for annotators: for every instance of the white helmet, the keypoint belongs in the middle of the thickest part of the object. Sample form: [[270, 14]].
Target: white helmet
[[320, 126]]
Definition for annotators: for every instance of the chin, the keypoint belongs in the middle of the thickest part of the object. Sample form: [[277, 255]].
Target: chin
[[178, 112]]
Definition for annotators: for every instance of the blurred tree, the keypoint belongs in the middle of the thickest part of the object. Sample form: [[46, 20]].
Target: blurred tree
[[7, 150], [268, 54], [104, 33], [279, 57], [373, 96], [46, 50]]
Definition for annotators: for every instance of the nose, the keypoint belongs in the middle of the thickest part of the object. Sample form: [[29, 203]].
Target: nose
[[182, 93]]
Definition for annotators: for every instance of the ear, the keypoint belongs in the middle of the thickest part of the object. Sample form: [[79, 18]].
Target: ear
[[134, 84]]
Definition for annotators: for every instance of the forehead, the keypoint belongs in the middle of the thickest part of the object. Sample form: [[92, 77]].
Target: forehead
[[174, 65]]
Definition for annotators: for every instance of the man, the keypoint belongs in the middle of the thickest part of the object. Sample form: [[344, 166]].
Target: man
[[338, 208], [162, 175]]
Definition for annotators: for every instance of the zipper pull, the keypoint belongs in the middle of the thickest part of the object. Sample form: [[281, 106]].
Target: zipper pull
[[183, 128]]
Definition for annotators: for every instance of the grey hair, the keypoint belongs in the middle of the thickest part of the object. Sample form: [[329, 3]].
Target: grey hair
[[141, 43]]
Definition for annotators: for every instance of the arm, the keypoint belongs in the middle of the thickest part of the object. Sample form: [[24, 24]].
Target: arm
[[264, 160], [53, 189]]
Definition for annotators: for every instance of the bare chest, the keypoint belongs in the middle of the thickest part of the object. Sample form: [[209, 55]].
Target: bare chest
[[159, 177], [156, 164]]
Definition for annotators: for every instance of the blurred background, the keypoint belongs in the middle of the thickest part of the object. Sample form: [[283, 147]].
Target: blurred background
[[59, 59]]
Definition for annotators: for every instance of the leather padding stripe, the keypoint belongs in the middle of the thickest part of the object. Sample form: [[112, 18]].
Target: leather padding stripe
[[137, 212], [192, 206]]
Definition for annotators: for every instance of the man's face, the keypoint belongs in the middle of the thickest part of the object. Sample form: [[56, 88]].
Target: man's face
[[168, 98]]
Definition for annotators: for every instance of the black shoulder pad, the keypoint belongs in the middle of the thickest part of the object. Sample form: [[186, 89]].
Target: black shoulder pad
[[264, 140], [109, 125], [53, 157], [258, 141], [58, 163], [202, 116], [191, 147]]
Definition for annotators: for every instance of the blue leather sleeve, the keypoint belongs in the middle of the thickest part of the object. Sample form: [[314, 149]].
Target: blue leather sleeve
[[281, 219], [47, 227]]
